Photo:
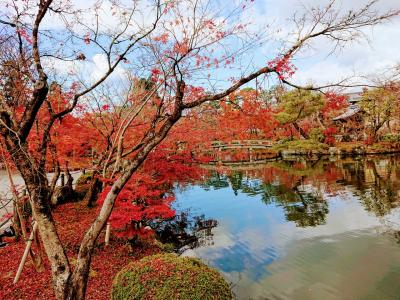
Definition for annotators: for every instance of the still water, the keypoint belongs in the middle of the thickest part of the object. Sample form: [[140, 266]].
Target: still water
[[302, 230]]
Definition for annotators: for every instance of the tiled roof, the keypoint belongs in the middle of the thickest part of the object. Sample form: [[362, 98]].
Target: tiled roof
[[351, 111]]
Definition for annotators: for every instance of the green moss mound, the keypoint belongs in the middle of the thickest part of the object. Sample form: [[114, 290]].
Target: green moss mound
[[167, 276], [82, 184], [302, 145], [84, 178]]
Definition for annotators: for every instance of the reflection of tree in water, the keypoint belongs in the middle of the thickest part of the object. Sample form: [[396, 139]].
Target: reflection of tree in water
[[216, 181], [377, 183], [185, 230], [299, 187], [311, 210], [236, 180], [396, 236], [305, 208], [376, 200]]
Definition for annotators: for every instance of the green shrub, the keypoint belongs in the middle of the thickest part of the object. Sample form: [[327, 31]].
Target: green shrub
[[83, 184], [317, 135], [394, 138], [286, 139], [383, 147], [167, 276], [302, 145], [84, 178], [167, 247]]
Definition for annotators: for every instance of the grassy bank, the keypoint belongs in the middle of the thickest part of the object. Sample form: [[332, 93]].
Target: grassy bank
[[308, 147]]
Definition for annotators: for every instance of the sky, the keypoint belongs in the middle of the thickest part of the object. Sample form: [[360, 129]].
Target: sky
[[366, 57], [369, 57]]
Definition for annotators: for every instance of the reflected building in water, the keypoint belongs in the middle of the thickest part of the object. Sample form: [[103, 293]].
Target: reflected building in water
[[304, 229], [302, 188], [376, 182]]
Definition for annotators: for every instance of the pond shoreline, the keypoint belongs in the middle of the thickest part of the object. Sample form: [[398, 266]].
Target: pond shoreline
[[336, 152], [289, 155], [308, 149], [352, 149], [331, 222]]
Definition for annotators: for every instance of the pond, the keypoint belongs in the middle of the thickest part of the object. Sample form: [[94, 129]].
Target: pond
[[302, 229]]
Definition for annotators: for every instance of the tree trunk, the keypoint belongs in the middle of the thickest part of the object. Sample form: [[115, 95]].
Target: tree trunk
[[16, 223], [18, 220], [93, 191], [77, 288], [67, 285], [60, 268], [37, 185], [300, 130]]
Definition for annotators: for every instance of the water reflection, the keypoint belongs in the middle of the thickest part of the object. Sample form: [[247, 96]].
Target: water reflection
[[301, 204], [304, 230], [185, 231]]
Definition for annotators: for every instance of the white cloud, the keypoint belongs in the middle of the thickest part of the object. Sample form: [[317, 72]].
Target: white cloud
[[101, 67], [270, 16], [87, 72], [364, 58]]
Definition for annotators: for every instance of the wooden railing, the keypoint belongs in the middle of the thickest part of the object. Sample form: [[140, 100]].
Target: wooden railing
[[254, 144]]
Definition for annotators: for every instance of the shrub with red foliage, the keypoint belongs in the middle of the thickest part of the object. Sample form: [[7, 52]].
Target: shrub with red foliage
[[71, 220], [369, 140], [333, 104], [149, 193], [283, 66], [329, 135]]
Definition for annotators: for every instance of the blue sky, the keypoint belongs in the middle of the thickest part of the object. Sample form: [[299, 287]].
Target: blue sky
[[366, 57]]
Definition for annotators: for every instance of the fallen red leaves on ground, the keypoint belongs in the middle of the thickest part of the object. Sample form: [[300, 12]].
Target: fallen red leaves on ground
[[72, 220]]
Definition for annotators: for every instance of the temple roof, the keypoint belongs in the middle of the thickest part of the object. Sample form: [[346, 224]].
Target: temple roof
[[354, 97], [351, 111]]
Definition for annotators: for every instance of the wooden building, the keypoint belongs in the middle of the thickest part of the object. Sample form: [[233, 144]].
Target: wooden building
[[352, 121]]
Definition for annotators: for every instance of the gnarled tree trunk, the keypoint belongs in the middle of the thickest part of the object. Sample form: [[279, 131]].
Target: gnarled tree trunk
[[300, 130], [37, 185], [93, 191]]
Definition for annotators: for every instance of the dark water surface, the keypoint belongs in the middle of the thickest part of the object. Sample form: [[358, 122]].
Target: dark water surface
[[303, 230]]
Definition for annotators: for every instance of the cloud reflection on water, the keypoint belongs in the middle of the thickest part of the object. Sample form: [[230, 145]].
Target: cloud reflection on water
[[266, 256]]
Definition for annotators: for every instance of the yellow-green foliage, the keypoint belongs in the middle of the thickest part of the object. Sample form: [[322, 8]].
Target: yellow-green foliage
[[297, 105], [384, 147], [394, 138], [302, 145], [84, 178], [82, 184], [316, 134], [167, 276], [379, 105]]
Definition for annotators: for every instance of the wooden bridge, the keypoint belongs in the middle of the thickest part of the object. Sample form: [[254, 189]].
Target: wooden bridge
[[240, 165], [250, 145], [244, 144]]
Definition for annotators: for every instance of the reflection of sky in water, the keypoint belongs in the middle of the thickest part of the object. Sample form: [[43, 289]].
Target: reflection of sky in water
[[265, 256]]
